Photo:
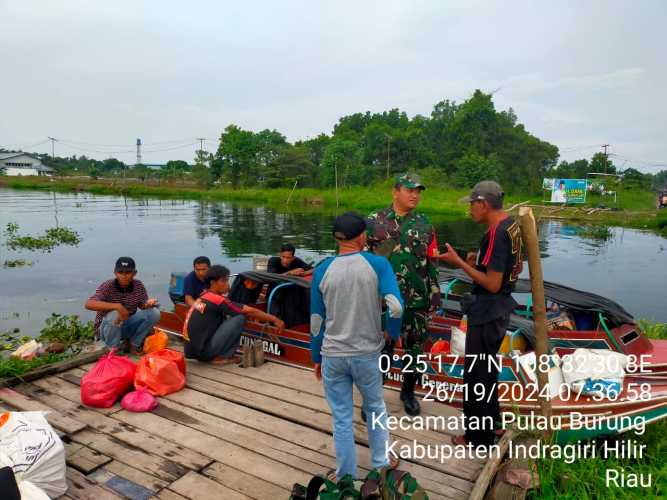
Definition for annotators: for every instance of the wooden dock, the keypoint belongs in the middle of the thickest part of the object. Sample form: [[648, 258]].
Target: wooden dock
[[232, 433]]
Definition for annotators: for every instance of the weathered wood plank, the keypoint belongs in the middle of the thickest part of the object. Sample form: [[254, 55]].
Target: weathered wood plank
[[244, 483], [291, 377], [196, 487], [466, 470], [63, 396], [55, 418], [312, 439], [83, 458], [135, 475], [308, 400], [167, 494], [220, 450], [79, 487], [265, 444], [227, 452], [129, 454]]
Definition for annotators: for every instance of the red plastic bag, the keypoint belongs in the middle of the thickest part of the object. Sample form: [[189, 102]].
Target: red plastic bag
[[138, 401], [161, 372], [107, 381], [441, 347]]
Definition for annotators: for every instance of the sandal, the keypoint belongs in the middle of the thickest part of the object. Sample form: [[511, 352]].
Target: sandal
[[459, 441]]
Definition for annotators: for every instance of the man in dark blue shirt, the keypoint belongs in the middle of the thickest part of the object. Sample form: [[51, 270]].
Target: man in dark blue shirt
[[194, 282]]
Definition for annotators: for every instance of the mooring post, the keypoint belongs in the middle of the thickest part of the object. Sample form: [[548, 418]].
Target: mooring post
[[530, 241]]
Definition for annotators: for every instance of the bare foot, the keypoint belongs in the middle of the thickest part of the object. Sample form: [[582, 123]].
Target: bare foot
[[220, 360]]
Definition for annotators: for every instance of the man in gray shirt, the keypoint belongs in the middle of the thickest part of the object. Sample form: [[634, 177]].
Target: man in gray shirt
[[346, 337]]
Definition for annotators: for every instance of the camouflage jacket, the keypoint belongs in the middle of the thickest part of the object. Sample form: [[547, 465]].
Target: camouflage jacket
[[416, 275]]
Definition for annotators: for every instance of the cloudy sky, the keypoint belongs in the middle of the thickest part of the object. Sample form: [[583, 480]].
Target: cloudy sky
[[97, 75]]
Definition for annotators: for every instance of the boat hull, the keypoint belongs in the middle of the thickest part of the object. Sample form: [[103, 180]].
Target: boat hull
[[442, 380]]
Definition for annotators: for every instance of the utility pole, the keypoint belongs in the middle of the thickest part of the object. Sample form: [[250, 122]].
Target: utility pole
[[53, 149], [201, 143], [606, 157]]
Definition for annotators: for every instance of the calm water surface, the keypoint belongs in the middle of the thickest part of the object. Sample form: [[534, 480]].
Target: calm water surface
[[626, 265]]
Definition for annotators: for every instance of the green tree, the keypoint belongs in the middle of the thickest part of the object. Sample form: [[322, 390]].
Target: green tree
[[237, 152], [473, 168], [602, 164]]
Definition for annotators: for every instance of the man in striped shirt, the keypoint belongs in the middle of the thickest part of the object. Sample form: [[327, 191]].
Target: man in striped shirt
[[495, 273], [135, 314]]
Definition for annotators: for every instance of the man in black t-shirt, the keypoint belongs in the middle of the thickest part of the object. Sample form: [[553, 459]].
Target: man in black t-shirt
[[495, 272], [287, 263], [214, 323]]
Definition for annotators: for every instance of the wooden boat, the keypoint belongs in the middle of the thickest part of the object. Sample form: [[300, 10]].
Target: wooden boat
[[643, 397]]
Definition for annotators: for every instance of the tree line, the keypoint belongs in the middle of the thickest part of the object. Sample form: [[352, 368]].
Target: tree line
[[457, 145]]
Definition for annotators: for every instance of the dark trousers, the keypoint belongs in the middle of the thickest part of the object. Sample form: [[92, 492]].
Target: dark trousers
[[482, 343], [224, 342]]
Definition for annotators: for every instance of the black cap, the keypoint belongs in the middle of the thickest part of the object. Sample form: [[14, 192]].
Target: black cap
[[485, 190], [125, 264], [348, 226]]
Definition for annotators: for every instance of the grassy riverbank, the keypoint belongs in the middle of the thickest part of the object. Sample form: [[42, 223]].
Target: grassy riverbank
[[635, 208]]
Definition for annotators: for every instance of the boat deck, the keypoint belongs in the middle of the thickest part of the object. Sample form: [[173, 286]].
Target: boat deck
[[232, 433]]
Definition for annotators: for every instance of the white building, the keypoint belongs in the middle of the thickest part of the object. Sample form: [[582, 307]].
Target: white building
[[22, 164]]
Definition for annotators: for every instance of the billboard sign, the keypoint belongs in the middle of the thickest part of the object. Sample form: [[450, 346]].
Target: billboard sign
[[565, 190]]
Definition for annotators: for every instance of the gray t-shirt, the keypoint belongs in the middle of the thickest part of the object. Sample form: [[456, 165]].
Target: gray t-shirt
[[346, 305]]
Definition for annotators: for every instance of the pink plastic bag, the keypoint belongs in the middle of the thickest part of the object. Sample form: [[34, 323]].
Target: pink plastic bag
[[138, 401], [108, 380]]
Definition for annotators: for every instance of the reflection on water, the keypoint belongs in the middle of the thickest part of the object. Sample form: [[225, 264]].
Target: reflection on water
[[165, 235]]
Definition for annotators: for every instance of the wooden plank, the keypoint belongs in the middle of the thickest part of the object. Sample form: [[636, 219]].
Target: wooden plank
[[291, 377], [196, 487], [223, 451], [51, 369], [466, 469], [167, 494], [129, 454], [63, 396], [443, 485], [84, 459], [79, 487], [312, 439], [229, 452], [245, 483], [482, 483], [55, 418], [255, 441], [135, 475], [312, 401]]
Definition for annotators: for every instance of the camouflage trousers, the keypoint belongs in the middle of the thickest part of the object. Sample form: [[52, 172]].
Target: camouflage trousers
[[414, 330]]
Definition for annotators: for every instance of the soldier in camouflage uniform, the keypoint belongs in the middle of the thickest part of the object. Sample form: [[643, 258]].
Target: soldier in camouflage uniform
[[407, 239]]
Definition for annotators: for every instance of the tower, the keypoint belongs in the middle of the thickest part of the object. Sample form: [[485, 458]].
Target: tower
[[138, 151]]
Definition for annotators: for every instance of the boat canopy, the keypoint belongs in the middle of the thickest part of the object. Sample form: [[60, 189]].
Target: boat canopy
[[272, 278], [567, 297], [288, 297]]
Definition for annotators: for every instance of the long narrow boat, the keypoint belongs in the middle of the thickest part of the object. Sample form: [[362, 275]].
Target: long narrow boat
[[643, 398]]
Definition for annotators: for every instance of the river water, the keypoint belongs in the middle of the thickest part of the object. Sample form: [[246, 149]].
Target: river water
[[626, 265]]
